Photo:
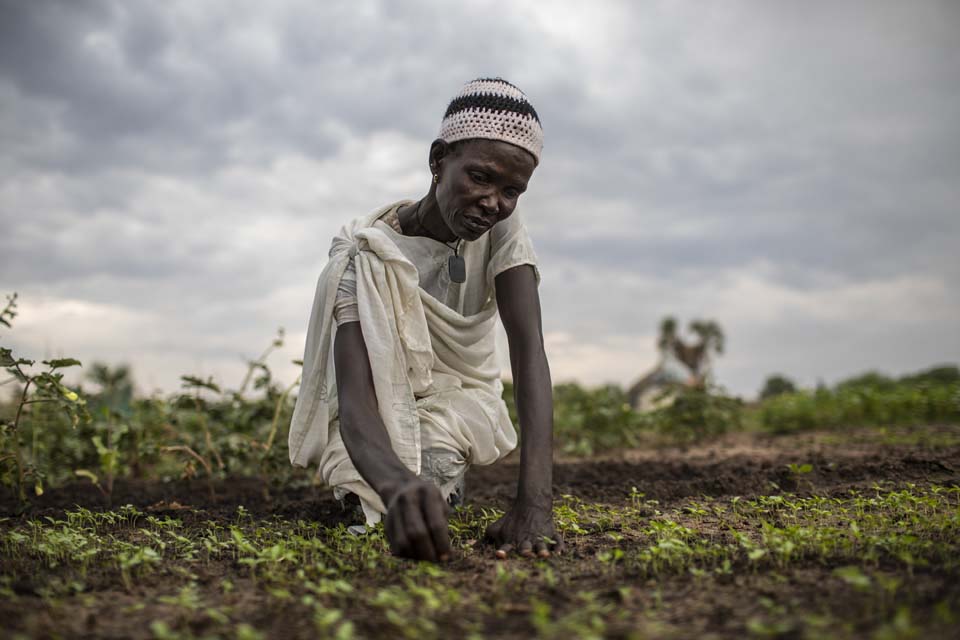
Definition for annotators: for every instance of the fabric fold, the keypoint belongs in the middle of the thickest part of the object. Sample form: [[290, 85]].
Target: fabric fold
[[435, 371]]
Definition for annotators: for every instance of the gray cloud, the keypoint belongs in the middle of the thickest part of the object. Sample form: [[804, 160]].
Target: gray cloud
[[184, 166]]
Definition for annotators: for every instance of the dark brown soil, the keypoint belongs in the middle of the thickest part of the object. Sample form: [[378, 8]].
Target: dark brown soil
[[736, 465], [678, 606]]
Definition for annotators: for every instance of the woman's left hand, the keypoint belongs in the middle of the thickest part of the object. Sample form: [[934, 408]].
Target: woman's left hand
[[526, 529]]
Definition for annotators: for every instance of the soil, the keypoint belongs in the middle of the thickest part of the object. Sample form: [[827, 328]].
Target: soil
[[678, 606]]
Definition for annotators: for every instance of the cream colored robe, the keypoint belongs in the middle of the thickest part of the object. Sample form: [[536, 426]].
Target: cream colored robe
[[435, 370]]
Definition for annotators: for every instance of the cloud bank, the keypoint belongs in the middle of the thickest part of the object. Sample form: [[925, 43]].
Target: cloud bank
[[171, 174]]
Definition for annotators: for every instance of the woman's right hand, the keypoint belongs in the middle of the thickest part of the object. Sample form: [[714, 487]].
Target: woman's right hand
[[416, 522]]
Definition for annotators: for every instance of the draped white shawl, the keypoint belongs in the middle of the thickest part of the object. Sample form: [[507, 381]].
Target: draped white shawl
[[428, 362]]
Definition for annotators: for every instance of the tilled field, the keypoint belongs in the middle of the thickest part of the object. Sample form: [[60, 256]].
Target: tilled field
[[799, 536]]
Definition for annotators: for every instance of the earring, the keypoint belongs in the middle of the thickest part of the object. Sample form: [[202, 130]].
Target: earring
[[436, 179]]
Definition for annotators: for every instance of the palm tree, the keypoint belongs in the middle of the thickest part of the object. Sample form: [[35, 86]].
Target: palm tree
[[668, 332], [710, 334], [696, 355]]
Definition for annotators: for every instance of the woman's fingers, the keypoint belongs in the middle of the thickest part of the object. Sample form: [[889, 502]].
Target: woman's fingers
[[526, 549], [416, 523], [529, 549], [407, 531], [541, 550], [434, 509], [421, 542], [396, 533]]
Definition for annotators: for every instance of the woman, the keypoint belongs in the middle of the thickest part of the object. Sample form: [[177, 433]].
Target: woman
[[409, 302]]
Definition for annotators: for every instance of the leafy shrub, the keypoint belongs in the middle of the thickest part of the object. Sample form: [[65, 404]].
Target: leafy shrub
[[50, 434], [698, 413], [869, 380], [40, 392], [589, 421], [868, 400], [940, 375]]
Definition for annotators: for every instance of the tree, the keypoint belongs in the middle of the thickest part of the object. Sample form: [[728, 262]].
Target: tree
[[695, 355], [776, 385], [668, 332], [943, 374]]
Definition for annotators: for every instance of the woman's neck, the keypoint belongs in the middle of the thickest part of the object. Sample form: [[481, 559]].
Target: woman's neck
[[423, 218]]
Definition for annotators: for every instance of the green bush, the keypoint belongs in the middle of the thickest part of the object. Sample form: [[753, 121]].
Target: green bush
[[698, 413], [589, 421], [868, 400], [50, 433]]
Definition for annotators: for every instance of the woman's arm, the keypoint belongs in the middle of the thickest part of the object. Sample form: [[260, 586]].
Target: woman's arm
[[528, 525], [416, 522]]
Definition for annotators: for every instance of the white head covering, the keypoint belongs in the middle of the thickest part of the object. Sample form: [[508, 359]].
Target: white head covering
[[494, 109]]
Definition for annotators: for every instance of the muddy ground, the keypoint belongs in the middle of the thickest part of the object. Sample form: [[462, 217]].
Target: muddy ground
[[738, 604]]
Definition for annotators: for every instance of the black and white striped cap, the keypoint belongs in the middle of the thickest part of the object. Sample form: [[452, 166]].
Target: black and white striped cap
[[494, 109]]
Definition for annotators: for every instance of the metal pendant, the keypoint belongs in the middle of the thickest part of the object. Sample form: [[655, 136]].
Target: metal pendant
[[457, 269]]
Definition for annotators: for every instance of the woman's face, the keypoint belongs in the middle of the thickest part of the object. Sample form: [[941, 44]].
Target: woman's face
[[479, 184]]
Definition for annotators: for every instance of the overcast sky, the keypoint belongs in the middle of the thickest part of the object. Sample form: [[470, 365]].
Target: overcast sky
[[171, 173]]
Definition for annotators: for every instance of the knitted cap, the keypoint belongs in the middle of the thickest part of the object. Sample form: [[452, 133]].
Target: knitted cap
[[494, 109]]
